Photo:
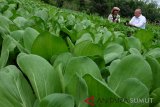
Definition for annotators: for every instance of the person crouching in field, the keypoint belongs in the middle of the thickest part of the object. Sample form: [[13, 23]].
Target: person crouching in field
[[114, 16], [138, 20]]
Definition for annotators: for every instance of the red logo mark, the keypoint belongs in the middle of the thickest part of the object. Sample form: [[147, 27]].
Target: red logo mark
[[87, 100]]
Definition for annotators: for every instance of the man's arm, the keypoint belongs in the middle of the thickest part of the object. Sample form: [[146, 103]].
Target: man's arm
[[131, 21], [141, 23]]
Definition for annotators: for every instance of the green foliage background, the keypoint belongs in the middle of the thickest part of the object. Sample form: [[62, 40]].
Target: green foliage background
[[103, 7], [52, 57]]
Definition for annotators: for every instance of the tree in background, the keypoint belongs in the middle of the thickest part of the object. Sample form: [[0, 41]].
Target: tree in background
[[99, 6], [46, 1], [60, 3], [81, 4]]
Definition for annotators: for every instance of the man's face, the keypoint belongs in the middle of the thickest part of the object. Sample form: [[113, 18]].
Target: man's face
[[137, 13]]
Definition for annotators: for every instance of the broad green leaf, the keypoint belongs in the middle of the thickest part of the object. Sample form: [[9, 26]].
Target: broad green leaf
[[63, 58], [4, 58], [59, 78], [15, 91], [145, 36], [70, 44], [102, 93], [4, 23], [156, 96], [23, 12], [154, 53], [60, 65], [13, 27], [118, 33], [12, 6], [17, 35], [78, 89], [7, 46], [36, 23], [83, 25], [4, 5], [36, 103], [8, 13], [81, 66], [155, 66], [132, 42], [98, 38], [132, 88], [131, 66], [114, 64], [43, 14], [134, 51], [19, 46], [83, 33], [119, 40], [110, 57], [78, 27], [112, 52], [57, 100], [158, 105], [25, 37], [29, 36], [106, 35], [86, 48], [71, 19], [40, 73], [47, 45], [20, 21], [99, 60], [85, 37], [61, 20], [65, 32]]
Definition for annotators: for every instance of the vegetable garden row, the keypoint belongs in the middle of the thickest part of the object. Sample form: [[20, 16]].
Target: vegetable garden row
[[53, 57]]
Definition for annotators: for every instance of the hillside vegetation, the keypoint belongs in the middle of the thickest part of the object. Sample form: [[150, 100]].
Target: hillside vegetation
[[52, 57], [103, 7]]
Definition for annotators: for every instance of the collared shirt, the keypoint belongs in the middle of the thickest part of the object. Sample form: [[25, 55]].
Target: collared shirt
[[111, 18], [139, 22]]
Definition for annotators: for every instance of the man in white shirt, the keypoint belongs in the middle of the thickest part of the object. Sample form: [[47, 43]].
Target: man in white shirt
[[138, 20]]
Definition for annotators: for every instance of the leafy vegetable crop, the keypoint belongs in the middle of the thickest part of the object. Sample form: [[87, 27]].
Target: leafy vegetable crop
[[53, 57]]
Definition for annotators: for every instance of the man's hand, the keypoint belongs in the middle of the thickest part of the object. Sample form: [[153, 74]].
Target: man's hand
[[126, 23], [131, 25]]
